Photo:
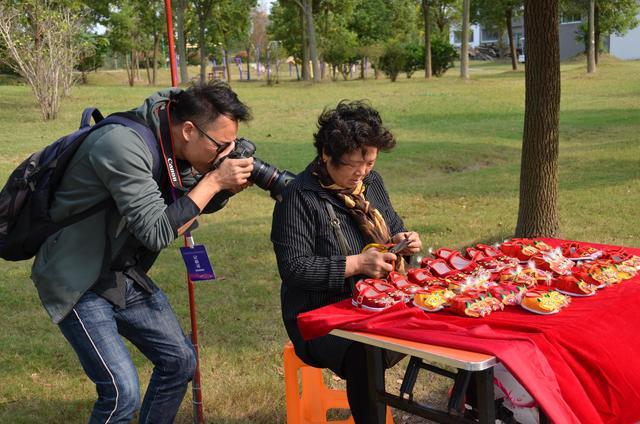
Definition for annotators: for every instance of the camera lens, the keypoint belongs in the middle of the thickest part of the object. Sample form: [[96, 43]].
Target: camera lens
[[270, 178], [265, 176]]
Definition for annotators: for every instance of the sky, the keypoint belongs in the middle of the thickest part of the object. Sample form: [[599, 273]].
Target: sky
[[265, 4]]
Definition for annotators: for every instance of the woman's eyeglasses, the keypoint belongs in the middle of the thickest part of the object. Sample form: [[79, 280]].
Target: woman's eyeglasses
[[219, 146]]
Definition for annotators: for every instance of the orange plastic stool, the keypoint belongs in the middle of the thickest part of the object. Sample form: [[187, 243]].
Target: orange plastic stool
[[311, 406]]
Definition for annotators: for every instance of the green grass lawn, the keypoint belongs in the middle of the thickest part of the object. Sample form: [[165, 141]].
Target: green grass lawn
[[454, 177]]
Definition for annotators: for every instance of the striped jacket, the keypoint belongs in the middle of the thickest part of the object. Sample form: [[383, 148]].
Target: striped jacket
[[310, 263]]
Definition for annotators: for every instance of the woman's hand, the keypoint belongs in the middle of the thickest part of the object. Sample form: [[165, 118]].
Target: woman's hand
[[414, 246], [371, 262]]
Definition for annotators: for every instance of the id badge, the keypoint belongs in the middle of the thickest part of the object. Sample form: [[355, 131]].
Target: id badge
[[197, 262]]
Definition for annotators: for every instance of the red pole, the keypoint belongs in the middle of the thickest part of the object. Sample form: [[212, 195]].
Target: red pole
[[172, 46], [196, 387], [198, 415]]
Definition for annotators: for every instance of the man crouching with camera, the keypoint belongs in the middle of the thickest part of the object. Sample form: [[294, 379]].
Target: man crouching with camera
[[92, 275]]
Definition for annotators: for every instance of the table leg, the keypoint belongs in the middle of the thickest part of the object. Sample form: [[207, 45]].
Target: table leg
[[376, 371], [410, 377], [486, 404], [460, 385]]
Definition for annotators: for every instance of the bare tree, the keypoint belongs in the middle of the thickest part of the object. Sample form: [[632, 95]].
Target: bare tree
[[42, 45], [538, 209], [258, 36], [75, 47], [464, 46]]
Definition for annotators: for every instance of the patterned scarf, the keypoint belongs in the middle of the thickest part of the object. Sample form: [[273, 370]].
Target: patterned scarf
[[369, 220]]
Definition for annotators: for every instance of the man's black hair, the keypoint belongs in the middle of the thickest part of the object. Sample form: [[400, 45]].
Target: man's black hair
[[203, 103], [351, 126]]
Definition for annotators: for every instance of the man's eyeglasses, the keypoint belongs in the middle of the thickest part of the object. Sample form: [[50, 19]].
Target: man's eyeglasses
[[219, 146]]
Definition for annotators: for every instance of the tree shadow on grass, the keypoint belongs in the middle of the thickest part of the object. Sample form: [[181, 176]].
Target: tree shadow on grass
[[598, 173], [507, 124]]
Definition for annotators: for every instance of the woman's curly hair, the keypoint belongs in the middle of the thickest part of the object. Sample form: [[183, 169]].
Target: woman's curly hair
[[350, 126]]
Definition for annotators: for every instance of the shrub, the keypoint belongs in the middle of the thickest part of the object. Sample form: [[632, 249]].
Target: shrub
[[339, 51], [442, 56], [414, 58], [393, 60]]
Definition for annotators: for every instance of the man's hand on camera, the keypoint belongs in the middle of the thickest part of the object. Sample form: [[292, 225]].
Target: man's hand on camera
[[232, 174], [241, 188]]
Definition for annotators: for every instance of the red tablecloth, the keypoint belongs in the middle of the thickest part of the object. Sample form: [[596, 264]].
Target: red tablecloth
[[581, 365]]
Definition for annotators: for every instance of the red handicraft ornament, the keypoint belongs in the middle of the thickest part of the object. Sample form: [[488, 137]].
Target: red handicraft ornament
[[544, 302], [469, 306]]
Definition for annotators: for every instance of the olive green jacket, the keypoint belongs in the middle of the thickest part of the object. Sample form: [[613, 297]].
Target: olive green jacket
[[113, 161]]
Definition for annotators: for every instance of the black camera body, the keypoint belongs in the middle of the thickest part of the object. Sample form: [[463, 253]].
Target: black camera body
[[244, 149], [265, 176]]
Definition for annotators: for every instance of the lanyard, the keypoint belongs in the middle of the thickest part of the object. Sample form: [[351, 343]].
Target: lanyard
[[167, 149], [169, 158]]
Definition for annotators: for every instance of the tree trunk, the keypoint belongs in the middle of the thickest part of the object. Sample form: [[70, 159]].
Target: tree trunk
[[226, 60], [464, 47], [248, 63], [147, 66], [154, 58], [182, 42], [591, 53], [202, 44], [427, 39], [508, 15], [311, 37], [538, 209], [136, 64], [596, 31], [305, 49], [131, 75], [268, 64]]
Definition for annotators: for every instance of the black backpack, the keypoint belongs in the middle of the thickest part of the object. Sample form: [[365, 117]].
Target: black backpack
[[27, 196]]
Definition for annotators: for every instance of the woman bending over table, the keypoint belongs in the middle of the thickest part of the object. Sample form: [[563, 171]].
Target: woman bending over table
[[317, 266]]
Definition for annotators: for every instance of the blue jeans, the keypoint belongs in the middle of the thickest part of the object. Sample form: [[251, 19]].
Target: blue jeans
[[93, 329]]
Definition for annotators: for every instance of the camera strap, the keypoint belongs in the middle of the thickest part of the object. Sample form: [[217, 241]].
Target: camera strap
[[167, 148]]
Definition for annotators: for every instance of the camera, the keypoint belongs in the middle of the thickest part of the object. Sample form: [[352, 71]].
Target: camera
[[264, 175]]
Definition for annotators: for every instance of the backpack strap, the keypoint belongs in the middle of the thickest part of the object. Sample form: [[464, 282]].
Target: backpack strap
[[127, 119], [107, 203], [131, 120], [87, 114]]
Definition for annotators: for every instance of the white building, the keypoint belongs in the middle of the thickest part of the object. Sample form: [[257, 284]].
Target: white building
[[627, 46], [477, 36]]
